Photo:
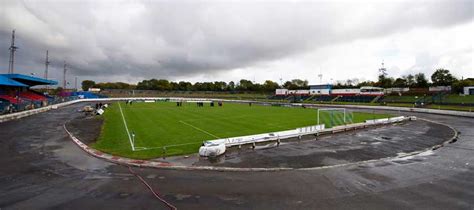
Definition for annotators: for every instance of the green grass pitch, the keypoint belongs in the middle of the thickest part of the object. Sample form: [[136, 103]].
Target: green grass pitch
[[163, 124]]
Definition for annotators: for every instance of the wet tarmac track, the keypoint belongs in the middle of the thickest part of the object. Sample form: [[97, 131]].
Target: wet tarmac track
[[43, 169], [340, 148]]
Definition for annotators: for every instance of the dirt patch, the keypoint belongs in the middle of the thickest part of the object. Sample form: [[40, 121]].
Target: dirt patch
[[87, 129]]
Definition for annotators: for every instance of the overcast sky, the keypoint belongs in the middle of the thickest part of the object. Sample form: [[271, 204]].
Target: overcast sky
[[130, 41]]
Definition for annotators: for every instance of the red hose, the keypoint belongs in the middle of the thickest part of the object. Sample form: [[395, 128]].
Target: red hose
[[151, 189]]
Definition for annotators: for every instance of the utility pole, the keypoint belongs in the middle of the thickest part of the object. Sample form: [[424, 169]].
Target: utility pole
[[64, 76], [12, 54]]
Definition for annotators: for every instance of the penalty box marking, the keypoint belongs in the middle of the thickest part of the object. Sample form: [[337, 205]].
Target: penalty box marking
[[199, 129]]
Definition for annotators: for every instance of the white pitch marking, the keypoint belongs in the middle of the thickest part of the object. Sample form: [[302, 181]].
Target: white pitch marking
[[126, 128], [199, 129]]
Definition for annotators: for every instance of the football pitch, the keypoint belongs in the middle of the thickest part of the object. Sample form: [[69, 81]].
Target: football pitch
[[182, 130]]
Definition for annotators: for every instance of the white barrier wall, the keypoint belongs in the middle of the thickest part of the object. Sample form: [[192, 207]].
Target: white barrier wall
[[234, 141], [217, 147]]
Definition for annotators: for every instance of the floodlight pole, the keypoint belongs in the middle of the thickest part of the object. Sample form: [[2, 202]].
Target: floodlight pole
[[46, 64], [12, 54], [64, 76]]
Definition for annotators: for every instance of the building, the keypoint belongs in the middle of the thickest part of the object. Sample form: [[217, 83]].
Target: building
[[281, 92], [324, 89], [469, 90]]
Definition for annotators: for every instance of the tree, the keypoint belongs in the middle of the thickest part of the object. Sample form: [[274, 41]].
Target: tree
[[296, 84], [145, 85], [245, 85], [366, 83], [174, 86], [114, 85], [220, 86], [421, 80], [290, 86], [86, 84], [163, 84], [300, 84], [231, 86], [410, 80], [458, 86], [442, 77], [385, 82], [400, 82], [184, 86], [154, 84], [270, 86], [349, 82]]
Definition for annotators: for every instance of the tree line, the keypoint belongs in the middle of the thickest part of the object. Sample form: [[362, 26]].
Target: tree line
[[441, 77], [166, 85]]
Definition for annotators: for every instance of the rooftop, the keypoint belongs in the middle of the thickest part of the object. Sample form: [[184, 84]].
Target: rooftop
[[26, 80]]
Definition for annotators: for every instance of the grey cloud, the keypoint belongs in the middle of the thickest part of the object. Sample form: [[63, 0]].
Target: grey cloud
[[176, 39]]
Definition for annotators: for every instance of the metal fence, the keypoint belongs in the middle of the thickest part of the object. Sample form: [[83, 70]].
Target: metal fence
[[6, 107]]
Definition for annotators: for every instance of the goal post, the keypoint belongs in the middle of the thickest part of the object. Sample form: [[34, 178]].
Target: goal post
[[334, 116]]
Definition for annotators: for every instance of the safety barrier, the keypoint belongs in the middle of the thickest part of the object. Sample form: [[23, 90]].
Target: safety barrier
[[273, 136]]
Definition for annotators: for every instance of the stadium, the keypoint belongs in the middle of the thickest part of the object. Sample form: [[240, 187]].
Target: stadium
[[281, 139], [157, 138]]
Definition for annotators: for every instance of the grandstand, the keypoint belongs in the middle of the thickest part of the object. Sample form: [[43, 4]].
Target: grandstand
[[419, 97], [16, 95], [323, 98], [325, 93]]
